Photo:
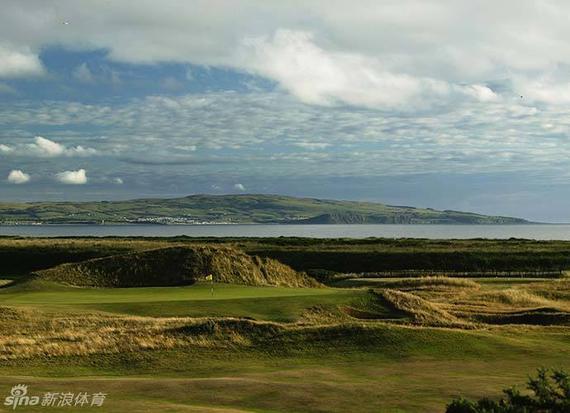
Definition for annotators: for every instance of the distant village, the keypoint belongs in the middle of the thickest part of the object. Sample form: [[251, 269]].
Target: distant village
[[157, 220]]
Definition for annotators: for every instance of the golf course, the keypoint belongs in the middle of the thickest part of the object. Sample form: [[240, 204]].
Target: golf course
[[197, 325]]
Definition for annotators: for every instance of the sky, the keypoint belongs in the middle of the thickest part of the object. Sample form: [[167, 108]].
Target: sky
[[446, 104]]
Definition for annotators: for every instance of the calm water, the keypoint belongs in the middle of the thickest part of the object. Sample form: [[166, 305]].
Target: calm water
[[540, 232]]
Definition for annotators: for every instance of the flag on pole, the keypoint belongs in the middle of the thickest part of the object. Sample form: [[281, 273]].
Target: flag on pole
[[210, 278]]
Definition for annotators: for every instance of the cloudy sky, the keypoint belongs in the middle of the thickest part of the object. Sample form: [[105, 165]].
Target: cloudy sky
[[446, 104]]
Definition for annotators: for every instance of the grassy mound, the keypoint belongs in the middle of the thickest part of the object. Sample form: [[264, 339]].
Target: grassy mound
[[554, 290], [177, 266], [430, 283], [422, 311], [517, 298], [89, 334]]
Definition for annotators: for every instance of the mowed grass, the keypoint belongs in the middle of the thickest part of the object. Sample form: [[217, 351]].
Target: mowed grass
[[274, 308], [385, 369], [263, 303]]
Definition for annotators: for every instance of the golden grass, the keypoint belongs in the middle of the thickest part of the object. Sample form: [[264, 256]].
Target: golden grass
[[177, 265], [431, 282], [127, 244], [516, 297], [532, 304], [97, 333], [430, 302], [422, 311], [11, 313], [28, 333], [319, 315], [556, 289]]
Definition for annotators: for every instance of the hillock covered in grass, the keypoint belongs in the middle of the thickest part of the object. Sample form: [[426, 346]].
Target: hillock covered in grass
[[422, 311], [177, 265]]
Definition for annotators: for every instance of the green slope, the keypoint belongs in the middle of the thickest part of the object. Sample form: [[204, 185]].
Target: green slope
[[237, 209]]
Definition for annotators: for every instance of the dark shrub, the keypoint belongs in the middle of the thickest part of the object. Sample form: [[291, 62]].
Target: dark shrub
[[549, 393]]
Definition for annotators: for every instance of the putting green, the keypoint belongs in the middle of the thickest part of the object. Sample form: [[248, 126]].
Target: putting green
[[263, 303]]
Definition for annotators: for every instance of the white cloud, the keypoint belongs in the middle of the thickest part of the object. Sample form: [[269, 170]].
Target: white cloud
[[480, 93], [78, 177], [317, 76], [80, 151], [549, 88], [366, 52], [18, 177], [312, 145], [83, 74], [233, 130], [48, 148], [118, 181], [239, 187], [18, 63], [5, 149]]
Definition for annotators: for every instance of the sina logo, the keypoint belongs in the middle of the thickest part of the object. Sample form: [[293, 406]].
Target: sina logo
[[18, 397]]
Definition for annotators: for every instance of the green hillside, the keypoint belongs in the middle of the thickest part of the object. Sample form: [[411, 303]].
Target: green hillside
[[196, 209]]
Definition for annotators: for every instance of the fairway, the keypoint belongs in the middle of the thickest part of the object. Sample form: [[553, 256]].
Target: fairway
[[264, 303], [56, 294], [388, 370]]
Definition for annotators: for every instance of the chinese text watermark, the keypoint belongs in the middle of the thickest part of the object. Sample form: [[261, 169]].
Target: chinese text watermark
[[19, 397]]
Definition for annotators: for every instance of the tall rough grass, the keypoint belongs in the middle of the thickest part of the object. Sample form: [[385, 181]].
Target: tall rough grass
[[180, 265], [422, 311], [516, 297], [554, 290], [80, 335], [431, 282]]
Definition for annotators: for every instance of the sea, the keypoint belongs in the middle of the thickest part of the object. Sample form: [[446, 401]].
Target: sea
[[536, 232]]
